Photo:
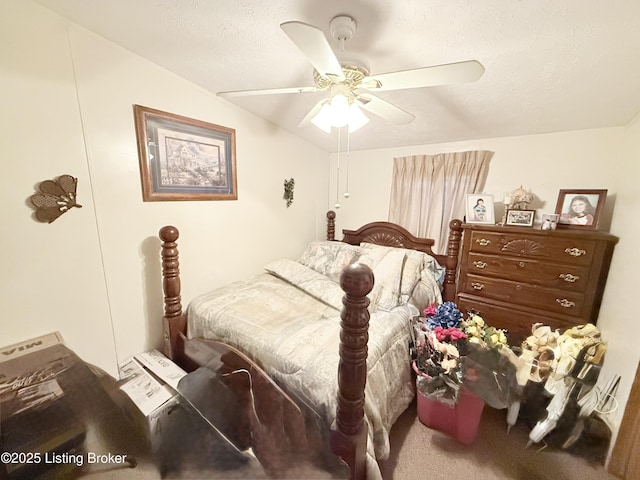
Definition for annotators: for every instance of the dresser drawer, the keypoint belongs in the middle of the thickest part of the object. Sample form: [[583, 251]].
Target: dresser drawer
[[544, 299], [550, 275], [517, 323], [576, 251]]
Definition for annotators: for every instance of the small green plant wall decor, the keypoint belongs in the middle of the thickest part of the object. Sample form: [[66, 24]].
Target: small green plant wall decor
[[288, 191]]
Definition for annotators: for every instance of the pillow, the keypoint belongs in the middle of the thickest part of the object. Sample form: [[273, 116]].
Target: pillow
[[329, 258], [387, 274], [426, 291], [414, 265]]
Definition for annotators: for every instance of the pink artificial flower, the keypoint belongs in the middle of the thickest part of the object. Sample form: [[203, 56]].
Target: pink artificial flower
[[450, 334], [430, 310]]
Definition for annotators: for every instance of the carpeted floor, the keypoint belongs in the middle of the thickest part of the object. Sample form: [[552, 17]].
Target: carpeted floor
[[419, 452]]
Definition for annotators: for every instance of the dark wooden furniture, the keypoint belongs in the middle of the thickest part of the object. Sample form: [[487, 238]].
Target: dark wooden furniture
[[349, 435], [515, 276]]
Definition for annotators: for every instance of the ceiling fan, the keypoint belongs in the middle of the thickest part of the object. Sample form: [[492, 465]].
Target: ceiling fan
[[350, 85]]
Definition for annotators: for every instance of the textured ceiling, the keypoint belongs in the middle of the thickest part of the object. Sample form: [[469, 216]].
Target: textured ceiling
[[549, 65]]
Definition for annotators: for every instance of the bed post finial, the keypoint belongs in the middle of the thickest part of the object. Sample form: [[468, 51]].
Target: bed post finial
[[453, 249], [349, 437], [331, 225], [173, 320]]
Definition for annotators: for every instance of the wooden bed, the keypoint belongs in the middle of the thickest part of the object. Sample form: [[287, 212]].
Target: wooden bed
[[349, 432]]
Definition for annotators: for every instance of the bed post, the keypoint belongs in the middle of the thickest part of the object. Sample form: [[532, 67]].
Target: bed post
[[331, 225], [349, 433], [173, 322], [453, 250]]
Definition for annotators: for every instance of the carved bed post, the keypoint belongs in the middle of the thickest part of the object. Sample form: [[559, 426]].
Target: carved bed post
[[174, 322], [453, 250], [349, 435], [331, 225]]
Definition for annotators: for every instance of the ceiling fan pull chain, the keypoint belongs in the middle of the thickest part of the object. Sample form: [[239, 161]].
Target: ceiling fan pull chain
[[346, 189], [337, 205]]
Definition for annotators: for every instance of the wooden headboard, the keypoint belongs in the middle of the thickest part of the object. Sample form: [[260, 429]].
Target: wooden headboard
[[392, 235]]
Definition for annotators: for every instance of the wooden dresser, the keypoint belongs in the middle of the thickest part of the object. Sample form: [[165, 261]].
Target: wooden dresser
[[515, 276]]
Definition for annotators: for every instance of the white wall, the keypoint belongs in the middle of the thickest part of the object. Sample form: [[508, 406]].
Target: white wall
[[94, 274], [53, 277], [543, 163], [602, 158], [617, 316]]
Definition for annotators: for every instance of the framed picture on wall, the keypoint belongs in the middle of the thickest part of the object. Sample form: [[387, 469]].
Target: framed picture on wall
[[520, 218], [580, 209], [479, 209], [184, 159]]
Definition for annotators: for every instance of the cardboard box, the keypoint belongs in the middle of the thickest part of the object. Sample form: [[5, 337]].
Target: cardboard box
[[39, 414], [150, 381]]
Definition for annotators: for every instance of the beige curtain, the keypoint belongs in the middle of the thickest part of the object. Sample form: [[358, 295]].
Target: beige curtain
[[428, 191]]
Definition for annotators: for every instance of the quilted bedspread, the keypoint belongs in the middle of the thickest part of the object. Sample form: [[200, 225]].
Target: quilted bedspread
[[288, 320]]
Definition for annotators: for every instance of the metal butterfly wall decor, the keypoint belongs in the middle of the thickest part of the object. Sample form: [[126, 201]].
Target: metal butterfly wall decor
[[55, 197]]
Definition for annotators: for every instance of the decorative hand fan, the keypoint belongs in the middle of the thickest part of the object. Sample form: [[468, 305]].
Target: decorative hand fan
[[55, 198]]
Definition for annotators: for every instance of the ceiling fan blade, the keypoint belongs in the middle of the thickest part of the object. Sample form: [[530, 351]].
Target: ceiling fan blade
[[384, 109], [447, 74], [268, 91], [314, 45]]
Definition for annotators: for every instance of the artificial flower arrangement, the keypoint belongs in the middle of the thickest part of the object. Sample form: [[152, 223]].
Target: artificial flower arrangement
[[451, 351], [490, 364], [482, 334], [439, 349]]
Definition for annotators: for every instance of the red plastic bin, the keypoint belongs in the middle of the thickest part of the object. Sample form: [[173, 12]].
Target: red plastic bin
[[460, 421]]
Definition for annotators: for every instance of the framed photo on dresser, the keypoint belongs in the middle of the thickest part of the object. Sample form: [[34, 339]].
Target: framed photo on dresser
[[580, 209], [479, 209], [520, 218]]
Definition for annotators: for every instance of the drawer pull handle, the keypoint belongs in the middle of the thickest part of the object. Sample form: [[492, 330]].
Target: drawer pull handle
[[575, 252], [567, 277], [477, 286], [565, 303], [483, 242], [479, 264]]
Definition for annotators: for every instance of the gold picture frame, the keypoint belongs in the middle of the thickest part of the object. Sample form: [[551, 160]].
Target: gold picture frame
[[184, 159]]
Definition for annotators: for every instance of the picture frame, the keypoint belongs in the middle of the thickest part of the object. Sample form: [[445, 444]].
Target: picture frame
[[479, 209], [549, 221], [580, 209], [184, 159], [520, 218]]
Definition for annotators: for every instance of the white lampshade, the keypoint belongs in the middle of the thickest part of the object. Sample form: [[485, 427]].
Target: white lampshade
[[339, 112], [323, 119], [357, 119]]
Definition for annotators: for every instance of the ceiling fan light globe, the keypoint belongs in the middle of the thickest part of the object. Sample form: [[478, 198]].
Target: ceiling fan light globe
[[323, 119], [339, 111], [357, 119]]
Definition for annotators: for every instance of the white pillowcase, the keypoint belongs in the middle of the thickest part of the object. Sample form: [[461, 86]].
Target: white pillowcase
[[387, 274], [415, 263], [329, 257]]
